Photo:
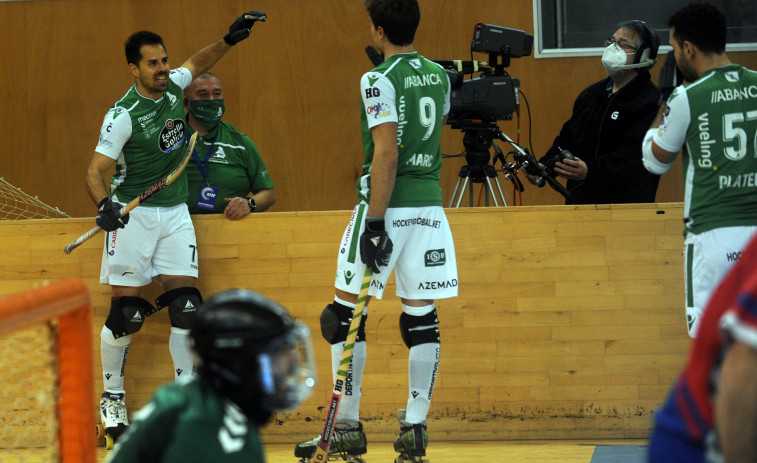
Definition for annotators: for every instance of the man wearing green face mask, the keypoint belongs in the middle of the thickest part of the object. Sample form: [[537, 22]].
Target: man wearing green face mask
[[226, 173]]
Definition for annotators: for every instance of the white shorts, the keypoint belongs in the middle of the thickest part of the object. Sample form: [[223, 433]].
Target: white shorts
[[156, 241], [708, 258], [423, 257]]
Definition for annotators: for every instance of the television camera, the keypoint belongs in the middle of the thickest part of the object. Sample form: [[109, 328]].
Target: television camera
[[477, 104], [493, 96]]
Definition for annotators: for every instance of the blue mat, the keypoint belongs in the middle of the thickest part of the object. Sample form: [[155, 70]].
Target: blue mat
[[619, 454]]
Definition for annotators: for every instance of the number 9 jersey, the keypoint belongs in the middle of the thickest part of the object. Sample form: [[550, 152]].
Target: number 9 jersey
[[414, 93]]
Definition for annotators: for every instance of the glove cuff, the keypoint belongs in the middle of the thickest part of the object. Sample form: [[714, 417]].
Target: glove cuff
[[103, 202], [227, 39], [374, 224]]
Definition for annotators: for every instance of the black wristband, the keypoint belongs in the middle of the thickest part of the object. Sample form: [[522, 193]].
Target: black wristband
[[251, 202]]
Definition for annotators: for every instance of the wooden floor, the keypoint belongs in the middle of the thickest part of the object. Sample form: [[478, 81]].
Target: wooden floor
[[447, 452], [477, 452]]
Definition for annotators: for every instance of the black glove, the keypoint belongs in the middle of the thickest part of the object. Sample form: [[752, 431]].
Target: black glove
[[240, 29], [109, 215], [375, 245]]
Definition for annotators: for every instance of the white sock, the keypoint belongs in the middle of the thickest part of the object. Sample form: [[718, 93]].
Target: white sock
[[422, 367], [349, 405], [183, 361], [423, 364], [113, 354]]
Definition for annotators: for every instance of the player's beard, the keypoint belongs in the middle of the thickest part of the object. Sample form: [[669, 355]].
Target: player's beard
[[153, 84], [689, 74]]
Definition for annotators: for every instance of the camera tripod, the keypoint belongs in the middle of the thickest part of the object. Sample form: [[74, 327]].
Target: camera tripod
[[477, 142]]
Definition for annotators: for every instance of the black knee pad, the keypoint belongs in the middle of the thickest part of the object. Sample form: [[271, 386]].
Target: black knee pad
[[127, 313], [419, 330], [335, 323], [182, 305]]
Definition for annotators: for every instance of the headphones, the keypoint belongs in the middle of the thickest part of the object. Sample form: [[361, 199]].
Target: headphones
[[650, 43]]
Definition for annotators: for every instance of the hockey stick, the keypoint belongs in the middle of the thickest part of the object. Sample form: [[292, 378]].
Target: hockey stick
[[167, 180], [322, 450]]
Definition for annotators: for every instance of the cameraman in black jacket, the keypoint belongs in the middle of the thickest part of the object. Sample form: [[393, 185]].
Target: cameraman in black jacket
[[609, 121]]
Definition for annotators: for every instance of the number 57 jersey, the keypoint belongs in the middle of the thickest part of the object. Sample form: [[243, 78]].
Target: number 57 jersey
[[714, 121], [414, 93]]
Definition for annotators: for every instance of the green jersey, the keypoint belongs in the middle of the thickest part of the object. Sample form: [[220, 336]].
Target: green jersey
[[714, 120], [412, 92], [226, 159], [187, 423], [148, 139]]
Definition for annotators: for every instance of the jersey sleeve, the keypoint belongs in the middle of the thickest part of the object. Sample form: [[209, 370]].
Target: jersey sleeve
[[739, 323], [379, 99], [739, 319], [671, 134], [181, 77], [114, 133]]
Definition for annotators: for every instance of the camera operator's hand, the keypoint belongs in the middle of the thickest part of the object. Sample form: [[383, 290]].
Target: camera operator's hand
[[109, 215], [240, 28], [533, 178], [572, 169], [375, 245]]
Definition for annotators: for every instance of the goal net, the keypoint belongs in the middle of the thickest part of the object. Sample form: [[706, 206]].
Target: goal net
[[15, 205], [46, 392]]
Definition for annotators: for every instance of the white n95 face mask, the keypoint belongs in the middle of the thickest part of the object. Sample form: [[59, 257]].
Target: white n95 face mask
[[614, 59]]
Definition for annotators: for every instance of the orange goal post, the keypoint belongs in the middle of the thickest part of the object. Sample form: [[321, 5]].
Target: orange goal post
[[53, 320]]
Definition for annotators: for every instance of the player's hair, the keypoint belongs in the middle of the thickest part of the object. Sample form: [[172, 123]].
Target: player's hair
[[133, 45], [703, 25], [398, 18]]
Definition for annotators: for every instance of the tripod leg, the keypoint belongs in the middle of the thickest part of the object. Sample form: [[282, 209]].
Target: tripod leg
[[471, 193], [462, 192], [501, 195], [454, 193], [490, 190]]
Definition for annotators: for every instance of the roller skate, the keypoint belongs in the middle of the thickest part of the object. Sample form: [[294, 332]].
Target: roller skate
[[113, 419], [411, 442], [348, 444]]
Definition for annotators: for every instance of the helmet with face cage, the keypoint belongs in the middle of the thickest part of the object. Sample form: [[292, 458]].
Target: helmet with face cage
[[253, 352]]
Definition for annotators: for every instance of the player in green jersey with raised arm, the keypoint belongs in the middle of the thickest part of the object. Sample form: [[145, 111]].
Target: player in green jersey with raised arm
[[254, 360], [226, 165], [144, 136], [713, 120], [398, 224]]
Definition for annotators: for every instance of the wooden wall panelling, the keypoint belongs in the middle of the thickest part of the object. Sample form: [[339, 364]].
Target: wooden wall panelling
[[569, 322]]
